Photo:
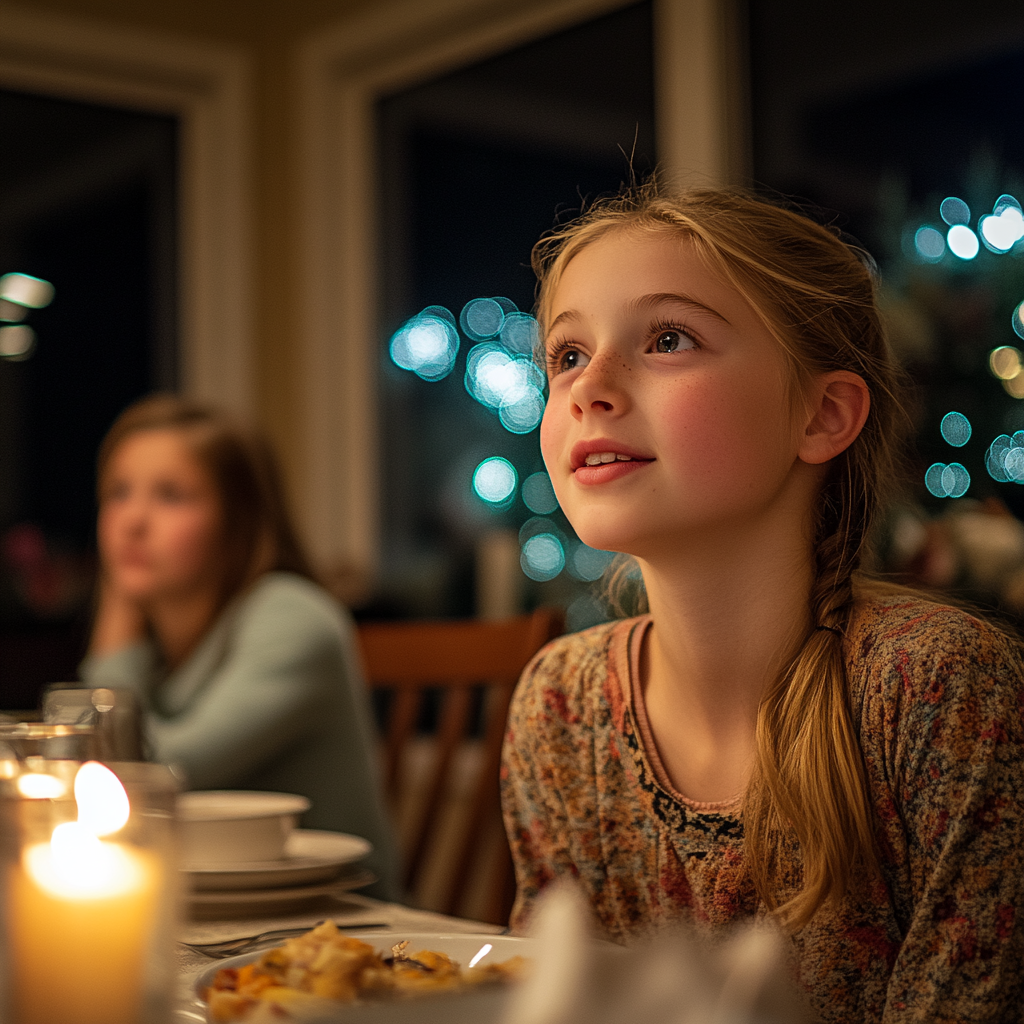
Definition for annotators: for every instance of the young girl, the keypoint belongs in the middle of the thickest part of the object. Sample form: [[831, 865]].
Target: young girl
[[778, 735], [246, 668]]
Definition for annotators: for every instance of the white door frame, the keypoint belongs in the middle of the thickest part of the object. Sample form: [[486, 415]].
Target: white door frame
[[342, 72], [207, 88]]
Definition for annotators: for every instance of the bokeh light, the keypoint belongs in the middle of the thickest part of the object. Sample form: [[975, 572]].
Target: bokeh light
[[1000, 232], [539, 524], [930, 244], [1014, 387], [519, 333], [11, 312], [26, 290], [954, 211], [588, 564], [427, 344], [482, 318], [955, 429], [542, 557], [16, 342], [524, 412], [488, 376], [947, 481], [1017, 320], [538, 494], [962, 242], [1005, 202], [495, 480], [1013, 465], [1004, 459], [494, 378], [1005, 362], [995, 458]]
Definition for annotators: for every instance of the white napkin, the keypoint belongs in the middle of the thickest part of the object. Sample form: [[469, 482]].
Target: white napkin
[[676, 977]]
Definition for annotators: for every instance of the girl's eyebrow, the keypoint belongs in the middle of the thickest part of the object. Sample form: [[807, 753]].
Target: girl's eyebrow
[[641, 304], [568, 316], [645, 302]]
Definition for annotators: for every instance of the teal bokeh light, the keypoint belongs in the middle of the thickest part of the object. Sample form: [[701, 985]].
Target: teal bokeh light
[[929, 244], [955, 429], [589, 564], [519, 333], [1017, 320], [1004, 458], [947, 481], [954, 211], [542, 557], [524, 412], [962, 242], [482, 318], [495, 480], [538, 494], [427, 344]]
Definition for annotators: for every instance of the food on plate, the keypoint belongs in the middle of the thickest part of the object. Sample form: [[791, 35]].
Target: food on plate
[[309, 973]]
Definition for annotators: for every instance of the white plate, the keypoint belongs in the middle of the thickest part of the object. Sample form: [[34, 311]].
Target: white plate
[[240, 902], [476, 1006], [309, 856]]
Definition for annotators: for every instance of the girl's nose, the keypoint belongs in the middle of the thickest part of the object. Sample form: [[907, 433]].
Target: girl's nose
[[600, 387], [133, 514]]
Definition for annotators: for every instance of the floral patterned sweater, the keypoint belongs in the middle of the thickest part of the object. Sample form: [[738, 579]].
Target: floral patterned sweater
[[937, 698]]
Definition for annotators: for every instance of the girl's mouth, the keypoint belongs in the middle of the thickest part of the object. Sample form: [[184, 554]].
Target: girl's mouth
[[603, 467], [602, 458]]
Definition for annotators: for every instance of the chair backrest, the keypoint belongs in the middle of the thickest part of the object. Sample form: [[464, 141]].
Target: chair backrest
[[455, 660]]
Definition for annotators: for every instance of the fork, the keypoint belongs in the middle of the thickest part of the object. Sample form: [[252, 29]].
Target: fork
[[251, 943]]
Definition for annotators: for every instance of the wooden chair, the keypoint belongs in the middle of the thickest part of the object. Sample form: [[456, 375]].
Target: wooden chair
[[455, 660]]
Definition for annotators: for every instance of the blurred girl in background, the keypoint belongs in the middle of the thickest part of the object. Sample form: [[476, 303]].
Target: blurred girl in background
[[247, 669]]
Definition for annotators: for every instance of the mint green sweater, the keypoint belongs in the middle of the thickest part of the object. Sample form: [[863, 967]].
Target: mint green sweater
[[273, 699]]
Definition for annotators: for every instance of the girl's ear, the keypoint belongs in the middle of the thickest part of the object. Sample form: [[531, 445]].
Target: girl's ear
[[838, 408]]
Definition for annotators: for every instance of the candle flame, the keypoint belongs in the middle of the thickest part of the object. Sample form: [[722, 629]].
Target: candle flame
[[103, 805], [76, 863]]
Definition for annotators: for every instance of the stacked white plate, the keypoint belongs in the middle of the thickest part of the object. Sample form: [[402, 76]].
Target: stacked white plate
[[295, 866], [315, 864]]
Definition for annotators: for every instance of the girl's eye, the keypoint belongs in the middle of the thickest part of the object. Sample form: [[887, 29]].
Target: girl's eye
[[673, 341], [563, 359], [170, 493]]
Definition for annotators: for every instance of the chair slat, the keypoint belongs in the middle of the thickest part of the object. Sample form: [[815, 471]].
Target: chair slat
[[401, 724], [487, 794], [458, 659], [451, 731]]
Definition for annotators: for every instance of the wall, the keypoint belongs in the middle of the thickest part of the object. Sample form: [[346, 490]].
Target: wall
[[267, 32]]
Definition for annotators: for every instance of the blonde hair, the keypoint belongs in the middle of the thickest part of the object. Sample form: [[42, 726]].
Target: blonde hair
[[816, 296], [259, 535]]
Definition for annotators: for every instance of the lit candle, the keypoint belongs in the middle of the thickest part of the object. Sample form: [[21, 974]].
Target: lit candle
[[82, 914]]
